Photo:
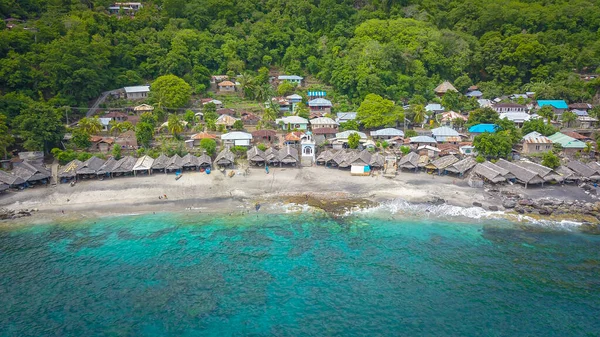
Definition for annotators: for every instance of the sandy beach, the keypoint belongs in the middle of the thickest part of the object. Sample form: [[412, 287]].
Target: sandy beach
[[220, 193]]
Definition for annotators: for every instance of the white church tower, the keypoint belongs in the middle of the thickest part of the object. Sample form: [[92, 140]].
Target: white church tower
[[307, 146]]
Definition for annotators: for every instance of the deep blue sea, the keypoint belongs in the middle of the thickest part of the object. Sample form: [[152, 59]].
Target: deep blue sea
[[296, 275]]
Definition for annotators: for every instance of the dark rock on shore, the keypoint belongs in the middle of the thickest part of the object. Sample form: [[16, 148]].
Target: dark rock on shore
[[493, 208], [509, 203], [9, 214], [477, 204]]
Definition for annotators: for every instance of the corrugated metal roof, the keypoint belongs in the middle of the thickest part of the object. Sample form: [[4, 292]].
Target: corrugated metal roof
[[139, 88], [566, 141], [555, 103]]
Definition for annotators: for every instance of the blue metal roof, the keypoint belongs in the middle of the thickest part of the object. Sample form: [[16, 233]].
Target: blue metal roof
[[316, 94], [481, 128], [556, 103]]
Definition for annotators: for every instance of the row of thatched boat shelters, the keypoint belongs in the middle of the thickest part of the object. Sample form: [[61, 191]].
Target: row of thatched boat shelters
[[348, 158], [24, 175], [96, 167], [287, 155]]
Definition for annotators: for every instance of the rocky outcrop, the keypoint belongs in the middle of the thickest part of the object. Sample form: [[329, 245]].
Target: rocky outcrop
[[10, 214]]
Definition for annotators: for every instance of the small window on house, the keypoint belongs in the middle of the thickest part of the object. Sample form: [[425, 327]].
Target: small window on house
[[537, 147]]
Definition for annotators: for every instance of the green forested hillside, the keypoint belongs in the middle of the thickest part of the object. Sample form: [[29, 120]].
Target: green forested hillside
[[66, 52]]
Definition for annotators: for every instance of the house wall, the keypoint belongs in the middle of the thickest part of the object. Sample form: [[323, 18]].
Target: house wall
[[295, 126], [536, 147], [320, 109], [228, 88], [571, 152], [318, 126], [137, 95]]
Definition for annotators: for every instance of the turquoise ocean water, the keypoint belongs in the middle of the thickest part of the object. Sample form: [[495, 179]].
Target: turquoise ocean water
[[296, 275]]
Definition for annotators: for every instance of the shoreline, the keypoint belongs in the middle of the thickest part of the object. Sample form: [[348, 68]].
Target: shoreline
[[330, 190]]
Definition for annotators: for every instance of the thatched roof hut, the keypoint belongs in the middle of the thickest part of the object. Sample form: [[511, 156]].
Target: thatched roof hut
[[461, 167], [3, 187], [189, 161], [409, 161], [566, 173], [581, 170], [124, 165], [271, 156], [10, 179], [107, 167], [363, 158], [289, 155], [521, 174], [324, 157], [423, 161], [143, 164], [90, 166], [377, 160], [161, 162], [255, 155], [490, 172], [545, 172], [344, 158], [31, 172], [204, 160], [594, 166], [443, 162], [225, 158], [175, 163], [69, 171]]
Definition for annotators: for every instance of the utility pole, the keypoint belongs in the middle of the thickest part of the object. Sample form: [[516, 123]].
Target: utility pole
[[67, 114]]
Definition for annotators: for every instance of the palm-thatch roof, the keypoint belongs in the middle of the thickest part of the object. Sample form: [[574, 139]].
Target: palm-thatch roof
[[255, 155], [31, 172], [595, 166], [161, 162], [69, 170], [377, 160], [175, 163], [520, 173], [108, 166], [189, 160], [423, 161], [225, 157], [462, 166], [90, 166], [581, 169], [124, 165], [545, 172], [204, 160], [443, 162], [324, 157], [3, 187], [409, 161], [444, 87], [363, 158], [490, 172], [272, 155], [566, 173], [344, 159], [143, 163], [10, 179], [288, 155]]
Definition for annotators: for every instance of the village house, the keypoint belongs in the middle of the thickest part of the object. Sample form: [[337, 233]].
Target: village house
[[434, 108], [343, 117], [218, 104], [292, 123], [558, 106], [137, 92], [587, 122], [283, 103], [295, 98], [517, 117], [446, 134], [474, 94], [101, 144], [294, 79], [323, 122], [509, 107], [570, 145], [478, 129], [226, 86], [116, 116], [198, 137], [535, 142], [324, 134], [225, 111], [485, 103], [227, 121], [320, 105], [448, 118], [341, 138], [218, 78], [422, 140], [581, 106], [387, 133], [443, 88], [264, 135], [315, 94], [125, 7], [105, 121], [248, 118], [236, 138]]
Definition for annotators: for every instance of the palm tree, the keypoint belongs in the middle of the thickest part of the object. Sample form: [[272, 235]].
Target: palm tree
[[569, 117], [420, 114], [247, 85], [547, 113], [588, 147], [115, 128], [90, 125], [174, 125]]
